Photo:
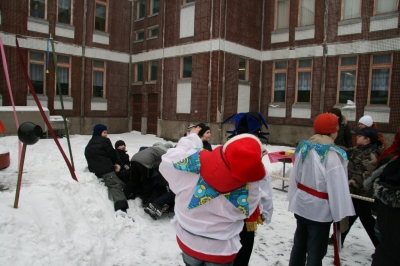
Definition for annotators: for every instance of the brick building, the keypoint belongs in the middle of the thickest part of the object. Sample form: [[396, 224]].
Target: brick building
[[155, 66]]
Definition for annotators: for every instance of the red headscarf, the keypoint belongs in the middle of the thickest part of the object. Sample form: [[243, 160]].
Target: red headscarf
[[393, 150]]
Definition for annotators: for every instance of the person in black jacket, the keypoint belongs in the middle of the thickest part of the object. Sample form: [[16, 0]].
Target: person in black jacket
[[387, 197], [205, 135], [344, 138], [101, 158], [124, 172]]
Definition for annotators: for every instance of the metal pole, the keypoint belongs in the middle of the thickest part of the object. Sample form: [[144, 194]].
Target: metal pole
[[21, 167]]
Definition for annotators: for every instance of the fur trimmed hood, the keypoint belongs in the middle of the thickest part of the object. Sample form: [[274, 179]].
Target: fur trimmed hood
[[343, 120], [387, 196]]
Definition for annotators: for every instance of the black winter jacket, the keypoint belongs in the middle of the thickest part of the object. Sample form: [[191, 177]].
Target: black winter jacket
[[344, 137], [100, 155]]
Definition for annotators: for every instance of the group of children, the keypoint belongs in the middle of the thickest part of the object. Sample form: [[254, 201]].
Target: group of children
[[221, 195]]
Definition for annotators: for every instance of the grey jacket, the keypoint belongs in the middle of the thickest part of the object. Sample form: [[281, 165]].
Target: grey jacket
[[151, 156]]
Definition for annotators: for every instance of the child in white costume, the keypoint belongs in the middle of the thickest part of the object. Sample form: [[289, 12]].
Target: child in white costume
[[215, 191], [318, 191]]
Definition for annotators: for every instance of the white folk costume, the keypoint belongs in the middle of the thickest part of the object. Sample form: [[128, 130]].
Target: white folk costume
[[215, 192], [318, 188], [318, 193]]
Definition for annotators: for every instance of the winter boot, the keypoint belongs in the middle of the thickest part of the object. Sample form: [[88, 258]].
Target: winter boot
[[150, 212], [156, 209]]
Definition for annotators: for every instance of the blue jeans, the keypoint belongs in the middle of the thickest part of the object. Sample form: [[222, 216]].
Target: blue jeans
[[311, 243], [190, 261]]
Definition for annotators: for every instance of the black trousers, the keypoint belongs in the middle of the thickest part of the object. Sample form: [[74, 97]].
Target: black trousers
[[141, 179], [247, 241], [363, 211]]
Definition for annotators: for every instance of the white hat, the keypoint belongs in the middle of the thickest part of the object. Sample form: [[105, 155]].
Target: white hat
[[366, 120]]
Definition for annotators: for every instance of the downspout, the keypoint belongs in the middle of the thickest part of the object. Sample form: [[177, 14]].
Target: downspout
[[162, 67], [223, 73], [209, 72], [81, 119], [324, 54], [129, 92], [261, 61]]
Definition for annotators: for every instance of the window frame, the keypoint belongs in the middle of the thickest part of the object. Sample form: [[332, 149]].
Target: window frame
[[342, 11], [64, 65], [299, 15], [136, 72], [300, 70], [138, 9], [276, 16], [379, 14], [277, 71], [152, 7], [137, 35], [246, 71], [43, 63], [182, 68], [149, 30], [103, 3], [380, 66], [150, 70], [44, 9], [70, 15], [348, 68], [104, 70]]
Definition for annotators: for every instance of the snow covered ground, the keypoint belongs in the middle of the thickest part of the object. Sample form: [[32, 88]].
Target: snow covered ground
[[63, 222]]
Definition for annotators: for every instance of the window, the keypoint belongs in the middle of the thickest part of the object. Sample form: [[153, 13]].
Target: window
[[153, 32], [188, 1], [37, 8], [306, 16], [282, 14], [64, 11], [64, 70], [242, 69], [381, 68], [153, 70], [155, 6], [347, 79], [100, 22], [141, 8], [186, 67], [139, 72], [385, 6], [36, 71], [304, 71], [279, 81], [99, 70], [140, 35], [0, 17], [351, 9]]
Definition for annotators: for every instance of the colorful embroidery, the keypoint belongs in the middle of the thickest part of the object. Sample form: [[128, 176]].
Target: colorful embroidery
[[189, 164], [205, 193], [322, 149]]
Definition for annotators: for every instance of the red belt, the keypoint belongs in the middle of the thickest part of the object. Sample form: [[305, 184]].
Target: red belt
[[321, 195]]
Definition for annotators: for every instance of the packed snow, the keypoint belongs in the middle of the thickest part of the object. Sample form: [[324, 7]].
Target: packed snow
[[63, 222]]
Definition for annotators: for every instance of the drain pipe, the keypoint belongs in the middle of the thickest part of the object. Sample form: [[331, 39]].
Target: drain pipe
[[81, 119], [324, 54], [129, 92], [261, 61], [209, 71], [223, 75]]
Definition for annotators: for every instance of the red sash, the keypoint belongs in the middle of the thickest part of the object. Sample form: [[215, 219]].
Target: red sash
[[315, 193]]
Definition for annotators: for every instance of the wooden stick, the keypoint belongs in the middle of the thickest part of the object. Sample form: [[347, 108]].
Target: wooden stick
[[21, 167]]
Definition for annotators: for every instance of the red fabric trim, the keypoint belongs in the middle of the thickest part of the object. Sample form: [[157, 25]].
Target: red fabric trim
[[254, 216], [205, 257], [315, 193]]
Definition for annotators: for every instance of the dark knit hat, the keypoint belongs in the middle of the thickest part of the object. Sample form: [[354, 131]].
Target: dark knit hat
[[326, 124], [368, 132], [119, 143], [98, 129], [203, 130]]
